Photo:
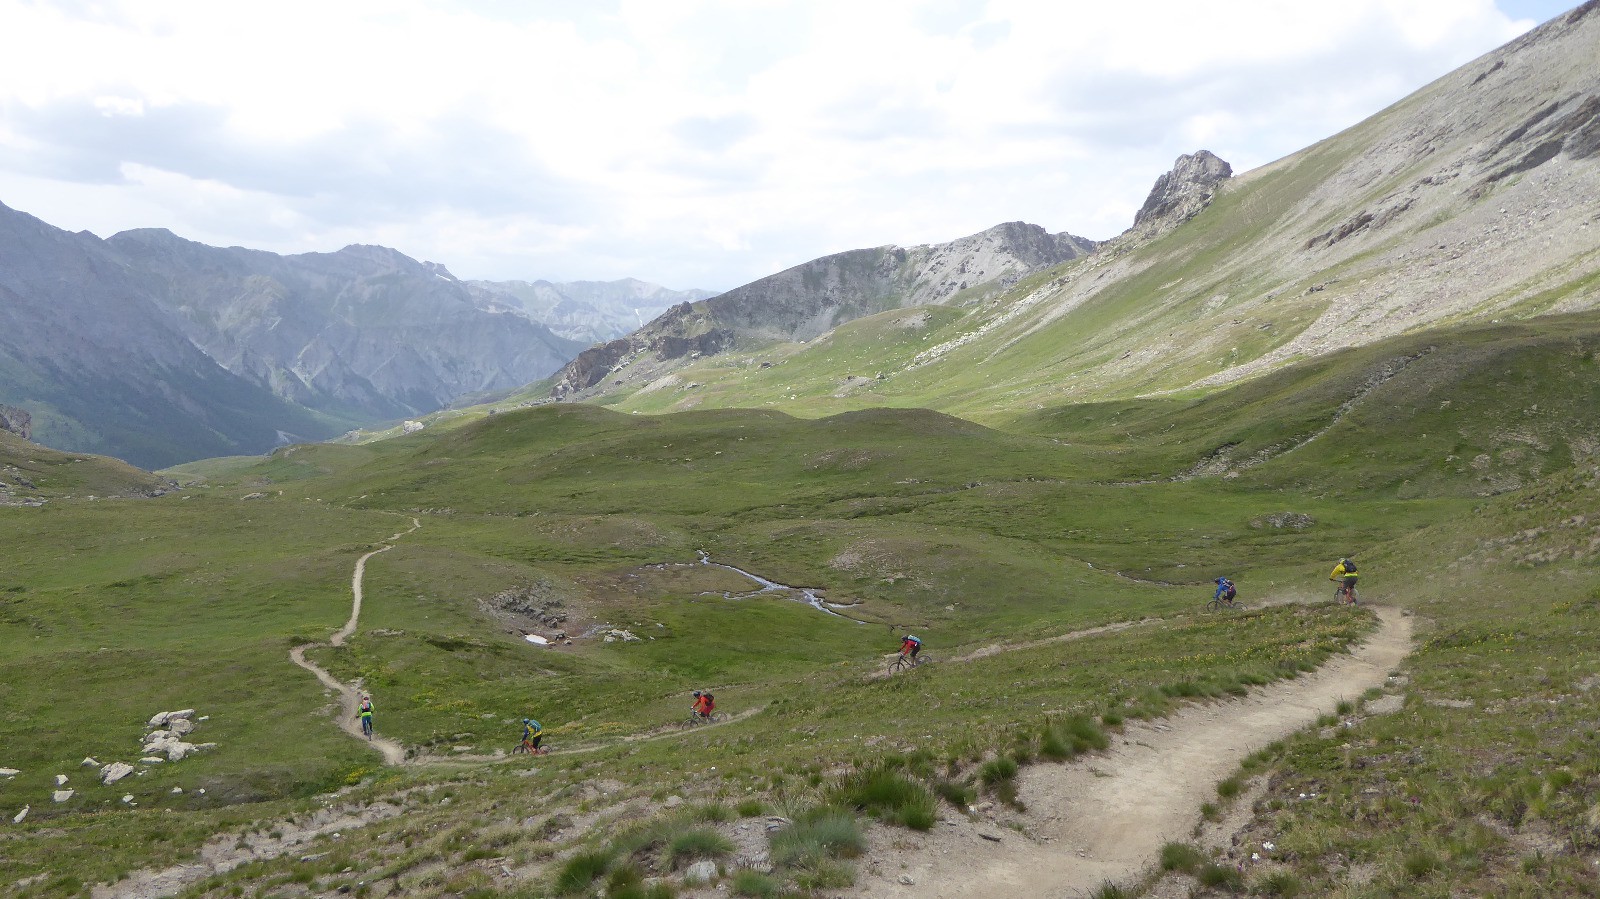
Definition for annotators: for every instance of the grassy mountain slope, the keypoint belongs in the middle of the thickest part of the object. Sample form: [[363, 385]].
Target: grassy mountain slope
[[1474, 199], [906, 519]]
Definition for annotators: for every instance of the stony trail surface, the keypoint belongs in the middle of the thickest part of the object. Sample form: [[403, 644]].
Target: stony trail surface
[[349, 696], [1105, 817]]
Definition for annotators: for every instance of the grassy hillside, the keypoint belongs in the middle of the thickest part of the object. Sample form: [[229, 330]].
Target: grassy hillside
[[1106, 514]]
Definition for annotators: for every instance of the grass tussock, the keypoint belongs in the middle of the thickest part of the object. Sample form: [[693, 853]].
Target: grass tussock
[[889, 794]]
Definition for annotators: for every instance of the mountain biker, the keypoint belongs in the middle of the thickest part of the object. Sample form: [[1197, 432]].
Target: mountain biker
[[364, 712], [1225, 590], [704, 704], [532, 733], [910, 646], [1345, 573]]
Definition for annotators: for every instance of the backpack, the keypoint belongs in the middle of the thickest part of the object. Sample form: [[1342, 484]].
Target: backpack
[[1349, 567], [1230, 592]]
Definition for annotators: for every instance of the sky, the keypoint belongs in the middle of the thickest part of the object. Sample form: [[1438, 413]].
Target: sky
[[691, 143]]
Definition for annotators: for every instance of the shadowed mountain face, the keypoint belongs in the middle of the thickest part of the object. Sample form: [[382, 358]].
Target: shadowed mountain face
[[160, 350], [810, 299], [1475, 199], [100, 367]]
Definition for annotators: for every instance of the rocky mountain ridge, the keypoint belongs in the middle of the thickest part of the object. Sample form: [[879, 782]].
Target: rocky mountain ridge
[[159, 350], [806, 301], [1476, 198], [365, 331]]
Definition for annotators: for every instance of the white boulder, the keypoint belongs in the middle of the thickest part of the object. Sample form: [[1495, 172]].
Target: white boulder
[[176, 751], [22, 814], [89, 762], [180, 726], [61, 780], [9, 772], [180, 715], [158, 719], [62, 795], [151, 760], [114, 772], [703, 871]]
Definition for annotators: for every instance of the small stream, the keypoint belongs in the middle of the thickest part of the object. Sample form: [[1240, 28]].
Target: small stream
[[808, 595]]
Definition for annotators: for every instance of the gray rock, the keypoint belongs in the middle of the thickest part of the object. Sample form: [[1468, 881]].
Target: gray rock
[[89, 762], [22, 814], [157, 720], [180, 726], [1182, 193], [114, 772], [151, 760], [62, 795], [703, 871], [9, 772], [61, 780], [180, 715], [177, 751]]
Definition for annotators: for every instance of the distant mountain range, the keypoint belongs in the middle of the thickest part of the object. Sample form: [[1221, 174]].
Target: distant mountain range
[[805, 301], [160, 350], [592, 311]]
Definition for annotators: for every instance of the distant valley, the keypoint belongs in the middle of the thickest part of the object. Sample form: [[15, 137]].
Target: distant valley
[[159, 350]]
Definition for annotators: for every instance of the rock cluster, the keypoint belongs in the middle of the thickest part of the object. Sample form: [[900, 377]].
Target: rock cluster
[[532, 602], [166, 736]]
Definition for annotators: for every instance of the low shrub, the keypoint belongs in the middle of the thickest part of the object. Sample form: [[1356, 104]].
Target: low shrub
[[755, 884], [1222, 877], [581, 870], [697, 844], [819, 833], [883, 791], [711, 813], [1181, 857], [998, 771]]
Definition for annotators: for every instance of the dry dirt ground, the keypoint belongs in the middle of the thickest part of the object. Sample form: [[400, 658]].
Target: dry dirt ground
[[1105, 818]]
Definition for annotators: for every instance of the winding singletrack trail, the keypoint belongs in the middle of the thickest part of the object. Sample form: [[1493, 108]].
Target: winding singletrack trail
[[393, 752], [1106, 817]]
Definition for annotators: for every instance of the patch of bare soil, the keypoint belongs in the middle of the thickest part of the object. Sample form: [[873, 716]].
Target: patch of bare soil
[[1105, 818], [225, 852]]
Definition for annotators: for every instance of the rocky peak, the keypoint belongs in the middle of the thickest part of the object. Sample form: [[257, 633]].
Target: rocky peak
[[17, 421], [1180, 194]]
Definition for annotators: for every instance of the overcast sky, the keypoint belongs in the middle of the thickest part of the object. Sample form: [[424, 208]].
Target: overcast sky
[[694, 143]]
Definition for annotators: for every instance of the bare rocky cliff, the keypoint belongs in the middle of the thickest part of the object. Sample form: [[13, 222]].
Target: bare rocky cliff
[[1182, 193], [806, 301]]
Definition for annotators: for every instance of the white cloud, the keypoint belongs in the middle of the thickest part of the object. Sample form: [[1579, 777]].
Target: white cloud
[[697, 143]]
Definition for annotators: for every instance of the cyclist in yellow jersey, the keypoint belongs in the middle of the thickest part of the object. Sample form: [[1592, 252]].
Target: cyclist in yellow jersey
[[1345, 574]]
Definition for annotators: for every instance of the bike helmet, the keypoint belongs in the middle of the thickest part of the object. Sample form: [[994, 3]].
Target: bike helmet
[[697, 694]]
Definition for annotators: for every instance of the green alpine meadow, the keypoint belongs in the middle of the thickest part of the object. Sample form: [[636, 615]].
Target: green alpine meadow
[[1381, 352]]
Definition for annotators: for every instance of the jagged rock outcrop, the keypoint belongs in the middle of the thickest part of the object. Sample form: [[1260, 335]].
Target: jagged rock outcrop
[[808, 300], [17, 421], [1180, 194]]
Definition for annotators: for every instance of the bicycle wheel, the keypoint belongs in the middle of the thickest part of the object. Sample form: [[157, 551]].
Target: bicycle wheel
[[1214, 605]]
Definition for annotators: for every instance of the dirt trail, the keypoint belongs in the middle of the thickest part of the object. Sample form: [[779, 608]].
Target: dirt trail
[[393, 752], [1106, 817]]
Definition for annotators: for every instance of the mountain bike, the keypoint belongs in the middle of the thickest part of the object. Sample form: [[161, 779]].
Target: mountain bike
[[696, 719], [366, 728], [528, 747], [1345, 595], [906, 661], [1218, 604]]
